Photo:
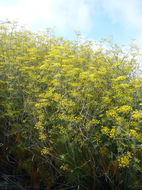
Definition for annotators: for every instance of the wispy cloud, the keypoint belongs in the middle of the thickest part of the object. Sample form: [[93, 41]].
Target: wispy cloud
[[126, 12], [64, 15], [69, 15]]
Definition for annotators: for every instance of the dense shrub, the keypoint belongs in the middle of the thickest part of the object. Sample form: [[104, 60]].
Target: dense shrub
[[71, 112]]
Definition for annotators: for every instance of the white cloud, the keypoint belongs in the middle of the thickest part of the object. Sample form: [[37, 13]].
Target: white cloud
[[69, 15], [65, 15]]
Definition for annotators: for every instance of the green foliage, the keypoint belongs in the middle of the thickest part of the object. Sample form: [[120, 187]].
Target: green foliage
[[69, 113]]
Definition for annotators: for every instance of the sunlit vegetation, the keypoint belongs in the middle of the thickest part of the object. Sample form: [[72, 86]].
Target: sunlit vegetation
[[70, 113]]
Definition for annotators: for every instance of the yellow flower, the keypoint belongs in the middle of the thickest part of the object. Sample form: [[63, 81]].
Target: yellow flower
[[42, 136], [124, 160], [134, 133], [45, 150], [105, 130], [133, 124], [137, 115], [112, 134], [124, 109], [112, 113]]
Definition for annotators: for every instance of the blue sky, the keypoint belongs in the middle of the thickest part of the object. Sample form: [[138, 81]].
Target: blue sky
[[95, 19]]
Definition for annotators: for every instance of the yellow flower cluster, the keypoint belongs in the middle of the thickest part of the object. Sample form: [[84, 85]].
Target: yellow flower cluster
[[105, 130], [120, 78], [133, 124], [42, 136], [134, 134], [62, 130], [45, 151], [56, 97], [110, 132], [93, 122], [40, 128], [112, 113], [67, 103], [124, 160], [124, 109], [136, 115], [106, 100]]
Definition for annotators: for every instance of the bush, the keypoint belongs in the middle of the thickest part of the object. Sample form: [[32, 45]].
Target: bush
[[71, 116]]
